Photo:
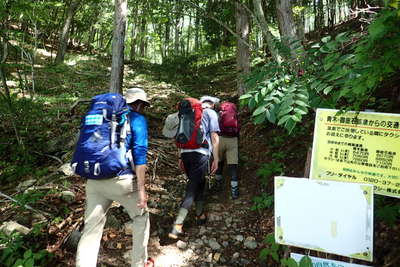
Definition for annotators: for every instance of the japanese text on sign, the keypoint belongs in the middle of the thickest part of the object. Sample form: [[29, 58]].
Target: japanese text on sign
[[359, 147]]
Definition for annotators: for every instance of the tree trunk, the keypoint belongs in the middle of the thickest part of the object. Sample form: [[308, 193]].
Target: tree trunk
[[197, 30], [133, 42], [63, 38], [287, 29], [117, 66], [242, 51], [189, 31], [143, 28], [266, 32]]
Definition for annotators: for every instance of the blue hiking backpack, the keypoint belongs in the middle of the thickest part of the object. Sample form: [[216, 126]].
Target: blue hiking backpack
[[101, 150]]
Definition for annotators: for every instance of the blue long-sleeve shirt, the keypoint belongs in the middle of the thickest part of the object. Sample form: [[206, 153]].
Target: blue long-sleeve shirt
[[138, 139]]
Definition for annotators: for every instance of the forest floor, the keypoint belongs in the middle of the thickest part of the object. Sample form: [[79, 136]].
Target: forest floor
[[234, 233]]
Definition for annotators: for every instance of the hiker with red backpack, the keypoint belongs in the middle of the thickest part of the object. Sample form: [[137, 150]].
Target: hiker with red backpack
[[197, 140], [228, 147], [111, 154]]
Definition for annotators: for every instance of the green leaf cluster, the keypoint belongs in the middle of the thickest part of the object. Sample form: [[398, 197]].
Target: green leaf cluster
[[18, 252], [269, 169], [274, 250], [263, 201], [345, 69], [278, 97]]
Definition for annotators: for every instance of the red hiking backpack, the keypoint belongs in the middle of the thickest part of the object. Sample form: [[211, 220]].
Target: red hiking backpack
[[228, 120], [190, 134]]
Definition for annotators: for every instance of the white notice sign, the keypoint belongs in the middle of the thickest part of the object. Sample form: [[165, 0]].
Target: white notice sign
[[327, 216], [319, 262]]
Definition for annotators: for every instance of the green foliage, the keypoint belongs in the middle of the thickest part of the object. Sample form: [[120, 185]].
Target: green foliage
[[215, 34], [304, 262], [28, 198], [269, 169], [346, 69], [387, 210], [274, 250], [278, 96], [19, 251], [264, 201], [26, 123]]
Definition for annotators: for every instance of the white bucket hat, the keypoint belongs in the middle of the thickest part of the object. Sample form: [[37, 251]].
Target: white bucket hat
[[207, 98], [134, 94], [171, 125]]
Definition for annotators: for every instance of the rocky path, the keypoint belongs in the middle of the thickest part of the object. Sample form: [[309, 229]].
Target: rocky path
[[227, 239]]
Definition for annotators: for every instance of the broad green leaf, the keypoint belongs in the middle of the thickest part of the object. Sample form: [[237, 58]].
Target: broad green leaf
[[292, 263], [305, 262], [270, 239], [264, 254], [29, 262], [342, 37], [275, 256], [300, 111], [320, 87], [301, 103], [289, 125], [270, 116], [27, 254], [284, 110], [296, 117], [302, 96], [326, 39], [260, 118], [245, 96], [259, 110], [328, 89], [252, 103], [315, 84], [263, 91], [284, 119]]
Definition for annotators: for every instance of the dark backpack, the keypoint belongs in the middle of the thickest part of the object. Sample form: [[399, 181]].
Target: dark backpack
[[228, 120], [101, 150], [190, 134]]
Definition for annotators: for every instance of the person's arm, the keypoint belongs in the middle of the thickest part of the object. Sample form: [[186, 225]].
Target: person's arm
[[141, 180], [180, 161], [215, 145], [139, 151]]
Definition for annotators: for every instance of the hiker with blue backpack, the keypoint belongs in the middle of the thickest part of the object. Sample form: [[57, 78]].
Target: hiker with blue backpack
[[111, 154], [197, 140]]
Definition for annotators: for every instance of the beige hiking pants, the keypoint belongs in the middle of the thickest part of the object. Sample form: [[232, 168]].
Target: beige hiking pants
[[99, 196], [228, 149]]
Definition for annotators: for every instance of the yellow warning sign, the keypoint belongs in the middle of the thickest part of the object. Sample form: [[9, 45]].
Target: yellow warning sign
[[358, 147]]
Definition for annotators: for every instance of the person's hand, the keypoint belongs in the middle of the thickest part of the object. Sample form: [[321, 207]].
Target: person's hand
[[180, 164], [214, 166], [142, 201]]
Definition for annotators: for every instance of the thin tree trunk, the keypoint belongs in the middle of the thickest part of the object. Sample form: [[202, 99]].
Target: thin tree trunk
[[64, 34], [134, 32], [287, 29], [189, 31], [266, 32], [117, 66], [197, 30], [242, 52]]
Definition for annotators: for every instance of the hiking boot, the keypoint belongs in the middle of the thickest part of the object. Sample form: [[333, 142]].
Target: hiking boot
[[176, 231], [201, 219], [149, 263], [235, 192]]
